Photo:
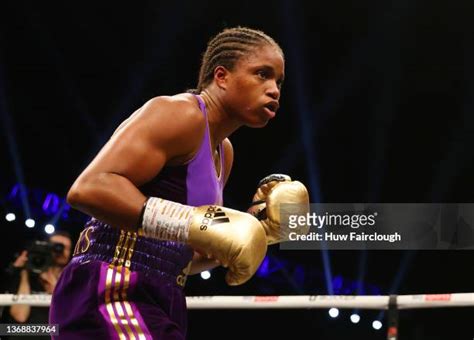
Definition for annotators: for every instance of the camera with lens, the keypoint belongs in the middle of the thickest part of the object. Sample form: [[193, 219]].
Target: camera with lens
[[40, 255]]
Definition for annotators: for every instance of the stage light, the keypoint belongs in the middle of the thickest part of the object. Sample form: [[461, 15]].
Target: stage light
[[206, 274], [334, 312], [355, 318], [30, 223], [10, 217], [377, 324], [49, 228]]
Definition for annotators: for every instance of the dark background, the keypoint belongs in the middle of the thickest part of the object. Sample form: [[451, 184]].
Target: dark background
[[377, 106]]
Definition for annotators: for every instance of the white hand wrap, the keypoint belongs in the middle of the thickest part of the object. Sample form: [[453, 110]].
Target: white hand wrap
[[166, 220]]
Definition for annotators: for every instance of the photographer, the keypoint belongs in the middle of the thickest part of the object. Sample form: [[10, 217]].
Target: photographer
[[34, 271]]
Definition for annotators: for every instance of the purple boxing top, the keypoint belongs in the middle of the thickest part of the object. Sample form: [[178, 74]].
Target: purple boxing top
[[195, 183]]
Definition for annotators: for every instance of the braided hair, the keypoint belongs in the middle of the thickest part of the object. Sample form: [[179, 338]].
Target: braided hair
[[226, 48]]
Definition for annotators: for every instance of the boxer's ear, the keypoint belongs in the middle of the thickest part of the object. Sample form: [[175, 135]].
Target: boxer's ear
[[221, 75]]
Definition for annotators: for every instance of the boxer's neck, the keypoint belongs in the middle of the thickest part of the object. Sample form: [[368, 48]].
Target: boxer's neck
[[221, 122]]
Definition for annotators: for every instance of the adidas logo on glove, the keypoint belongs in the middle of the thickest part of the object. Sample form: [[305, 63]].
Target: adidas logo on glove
[[214, 215]]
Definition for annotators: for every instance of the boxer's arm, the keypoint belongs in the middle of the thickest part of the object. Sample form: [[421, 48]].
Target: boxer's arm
[[165, 131], [202, 263], [162, 131]]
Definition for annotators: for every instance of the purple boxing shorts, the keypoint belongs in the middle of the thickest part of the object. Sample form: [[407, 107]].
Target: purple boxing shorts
[[120, 285]]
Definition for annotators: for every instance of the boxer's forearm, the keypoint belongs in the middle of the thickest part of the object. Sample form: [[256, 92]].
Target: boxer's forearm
[[108, 197]]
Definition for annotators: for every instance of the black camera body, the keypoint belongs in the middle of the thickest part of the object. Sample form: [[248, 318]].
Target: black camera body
[[40, 255]]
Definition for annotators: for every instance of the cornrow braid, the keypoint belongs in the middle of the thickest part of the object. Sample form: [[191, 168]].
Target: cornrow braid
[[226, 48]]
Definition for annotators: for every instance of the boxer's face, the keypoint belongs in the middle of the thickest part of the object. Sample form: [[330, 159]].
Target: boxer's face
[[253, 87]]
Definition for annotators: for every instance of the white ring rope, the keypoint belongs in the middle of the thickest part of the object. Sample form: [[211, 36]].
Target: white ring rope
[[289, 301]]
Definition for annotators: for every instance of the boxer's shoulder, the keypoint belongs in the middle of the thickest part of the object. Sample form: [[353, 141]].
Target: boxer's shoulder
[[174, 124], [181, 110]]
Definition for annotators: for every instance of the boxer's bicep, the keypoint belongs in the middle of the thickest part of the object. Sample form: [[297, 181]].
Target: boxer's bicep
[[160, 130]]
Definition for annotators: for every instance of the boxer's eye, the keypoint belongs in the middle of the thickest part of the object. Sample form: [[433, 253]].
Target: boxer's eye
[[262, 74]]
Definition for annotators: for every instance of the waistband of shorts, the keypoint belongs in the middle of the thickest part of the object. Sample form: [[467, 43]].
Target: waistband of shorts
[[99, 241]]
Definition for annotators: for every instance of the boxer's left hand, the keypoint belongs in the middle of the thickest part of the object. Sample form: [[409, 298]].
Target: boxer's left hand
[[272, 191]]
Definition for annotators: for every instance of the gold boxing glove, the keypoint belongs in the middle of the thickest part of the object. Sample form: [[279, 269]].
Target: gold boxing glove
[[273, 191], [235, 239]]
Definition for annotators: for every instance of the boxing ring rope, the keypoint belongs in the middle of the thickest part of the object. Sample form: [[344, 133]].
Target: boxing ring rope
[[290, 301], [392, 303]]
